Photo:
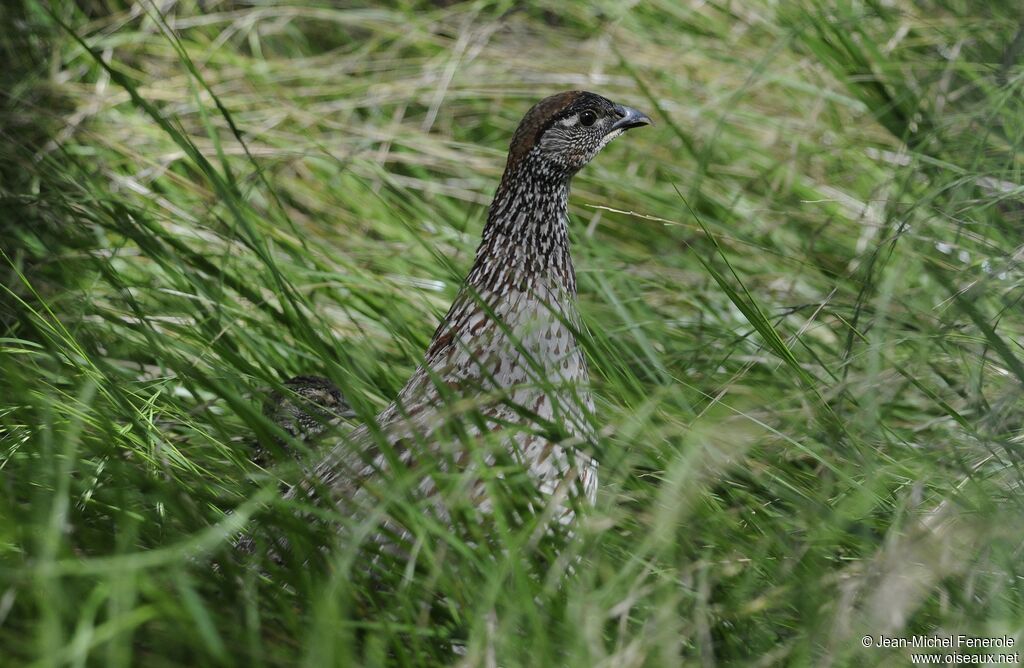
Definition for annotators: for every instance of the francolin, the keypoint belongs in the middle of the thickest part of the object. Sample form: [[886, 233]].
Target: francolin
[[508, 346]]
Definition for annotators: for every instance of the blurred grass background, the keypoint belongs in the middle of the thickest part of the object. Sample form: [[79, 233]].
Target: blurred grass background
[[802, 289]]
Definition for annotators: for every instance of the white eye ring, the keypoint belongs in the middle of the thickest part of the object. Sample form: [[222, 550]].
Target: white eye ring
[[588, 117]]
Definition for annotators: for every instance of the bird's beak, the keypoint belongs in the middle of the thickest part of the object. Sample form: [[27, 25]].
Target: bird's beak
[[629, 118]]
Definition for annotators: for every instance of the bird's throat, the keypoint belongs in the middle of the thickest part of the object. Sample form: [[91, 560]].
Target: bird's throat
[[525, 243]]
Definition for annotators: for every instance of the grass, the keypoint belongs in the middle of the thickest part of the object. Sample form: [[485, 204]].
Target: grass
[[801, 291]]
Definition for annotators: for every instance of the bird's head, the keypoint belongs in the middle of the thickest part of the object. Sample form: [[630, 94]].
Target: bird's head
[[564, 132]]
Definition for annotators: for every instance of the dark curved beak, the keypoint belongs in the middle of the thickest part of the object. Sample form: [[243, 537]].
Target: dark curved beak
[[629, 118]]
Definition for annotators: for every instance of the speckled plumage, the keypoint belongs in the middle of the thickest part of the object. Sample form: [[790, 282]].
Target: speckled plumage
[[508, 346]]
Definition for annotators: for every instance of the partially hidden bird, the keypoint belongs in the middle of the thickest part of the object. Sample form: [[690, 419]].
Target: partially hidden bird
[[505, 362]]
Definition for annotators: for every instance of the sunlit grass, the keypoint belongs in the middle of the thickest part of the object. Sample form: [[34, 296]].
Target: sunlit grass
[[800, 288]]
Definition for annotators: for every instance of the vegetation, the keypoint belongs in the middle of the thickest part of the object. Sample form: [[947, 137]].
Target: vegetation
[[801, 288]]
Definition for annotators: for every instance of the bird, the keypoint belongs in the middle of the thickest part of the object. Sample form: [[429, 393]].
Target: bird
[[304, 408], [505, 362]]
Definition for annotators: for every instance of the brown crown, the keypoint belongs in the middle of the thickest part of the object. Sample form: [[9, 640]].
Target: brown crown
[[537, 120]]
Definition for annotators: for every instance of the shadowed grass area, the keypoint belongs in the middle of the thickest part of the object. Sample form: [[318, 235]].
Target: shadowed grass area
[[801, 291]]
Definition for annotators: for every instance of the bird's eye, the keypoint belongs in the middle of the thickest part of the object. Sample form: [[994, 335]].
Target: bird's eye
[[587, 117]]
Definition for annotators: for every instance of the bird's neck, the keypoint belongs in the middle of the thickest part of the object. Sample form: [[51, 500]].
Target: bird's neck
[[525, 243]]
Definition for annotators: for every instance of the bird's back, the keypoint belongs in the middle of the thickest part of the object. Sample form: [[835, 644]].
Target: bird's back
[[505, 365]]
